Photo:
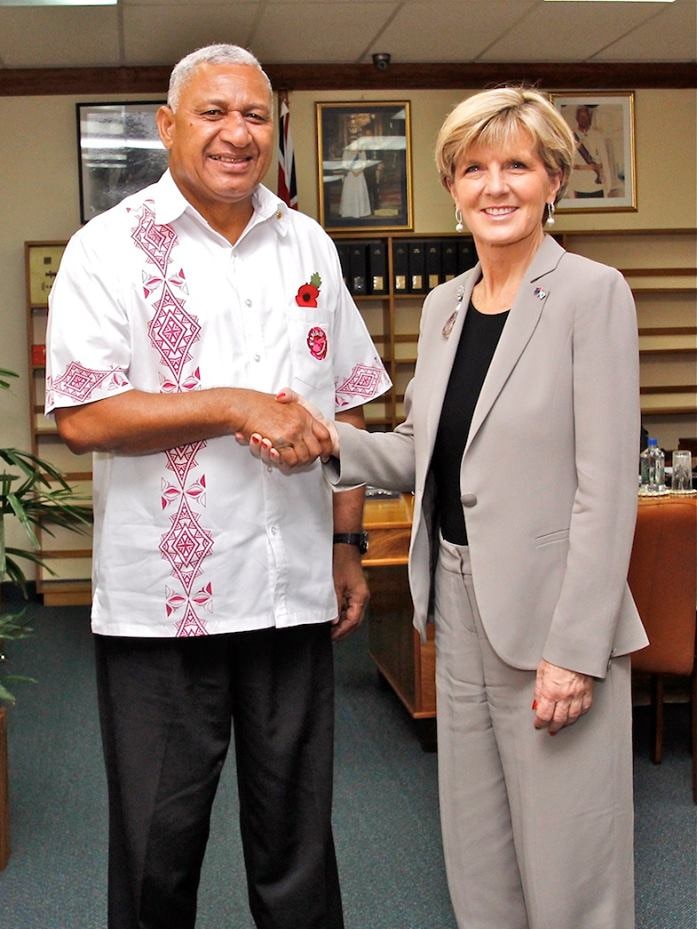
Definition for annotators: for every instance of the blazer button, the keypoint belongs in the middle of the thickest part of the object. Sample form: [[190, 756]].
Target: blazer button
[[468, 499]]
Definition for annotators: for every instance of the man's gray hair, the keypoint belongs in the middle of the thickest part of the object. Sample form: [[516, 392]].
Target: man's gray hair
[[212, 55]]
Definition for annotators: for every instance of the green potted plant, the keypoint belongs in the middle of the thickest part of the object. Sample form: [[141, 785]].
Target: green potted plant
[[37, 495]]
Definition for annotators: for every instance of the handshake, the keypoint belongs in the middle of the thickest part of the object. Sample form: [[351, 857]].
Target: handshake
[[291, 435]]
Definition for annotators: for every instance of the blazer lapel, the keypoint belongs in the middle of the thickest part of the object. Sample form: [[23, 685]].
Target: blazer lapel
[[446, 329], [520, 325]]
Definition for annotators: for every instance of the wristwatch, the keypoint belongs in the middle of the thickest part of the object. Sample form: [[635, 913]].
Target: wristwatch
[[359, 539]]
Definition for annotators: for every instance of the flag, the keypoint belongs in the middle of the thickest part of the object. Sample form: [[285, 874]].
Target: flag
[[287, 188]]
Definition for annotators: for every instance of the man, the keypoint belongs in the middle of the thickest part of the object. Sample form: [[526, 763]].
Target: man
[[591, 174], [175, 318]]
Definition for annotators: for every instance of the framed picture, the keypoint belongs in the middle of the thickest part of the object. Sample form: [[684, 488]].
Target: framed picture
[[603, 177], [364, 166], [42, 261], [119, 151]]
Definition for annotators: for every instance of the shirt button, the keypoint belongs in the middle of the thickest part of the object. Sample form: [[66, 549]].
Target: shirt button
[[273, 530], [247, 302], [257, 357], [468, 499]]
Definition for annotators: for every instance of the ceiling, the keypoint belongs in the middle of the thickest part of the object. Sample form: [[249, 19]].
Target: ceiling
[[158, 32]]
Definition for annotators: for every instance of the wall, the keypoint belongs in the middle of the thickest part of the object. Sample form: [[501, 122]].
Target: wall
[[39, 187]]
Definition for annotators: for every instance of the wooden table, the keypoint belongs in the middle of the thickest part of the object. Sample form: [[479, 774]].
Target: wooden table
[[402, 660]]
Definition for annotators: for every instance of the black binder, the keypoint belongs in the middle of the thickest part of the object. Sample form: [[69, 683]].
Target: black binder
[[449, 262], [417, 266], [401, 266], [467, 255], [434, 264], [343, 251], [377, 266], [358, 268]]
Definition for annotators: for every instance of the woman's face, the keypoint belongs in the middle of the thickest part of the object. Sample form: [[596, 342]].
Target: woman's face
[[501, 193]]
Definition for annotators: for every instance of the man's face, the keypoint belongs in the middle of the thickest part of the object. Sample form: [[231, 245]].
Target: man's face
[[583, 117], [220, 138]]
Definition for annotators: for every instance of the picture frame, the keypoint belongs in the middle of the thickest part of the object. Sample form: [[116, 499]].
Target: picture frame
[[364, 172], [603, 178], [42, 262], [119, 152]]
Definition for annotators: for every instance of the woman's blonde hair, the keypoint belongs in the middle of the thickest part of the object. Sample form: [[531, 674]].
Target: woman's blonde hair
[[491, 117]]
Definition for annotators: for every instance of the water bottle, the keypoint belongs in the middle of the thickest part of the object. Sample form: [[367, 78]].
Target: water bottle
[[653, 474]]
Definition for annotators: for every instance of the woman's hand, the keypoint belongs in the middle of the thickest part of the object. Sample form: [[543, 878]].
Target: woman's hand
[[280, 456], [561, 697]]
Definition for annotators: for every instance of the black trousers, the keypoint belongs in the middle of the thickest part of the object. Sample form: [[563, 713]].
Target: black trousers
[[167, 707]]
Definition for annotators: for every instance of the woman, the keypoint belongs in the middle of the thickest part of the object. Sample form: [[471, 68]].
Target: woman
[[520, 445]]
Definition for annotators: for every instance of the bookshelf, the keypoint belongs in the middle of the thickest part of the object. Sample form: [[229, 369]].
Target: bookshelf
[[68, 555]]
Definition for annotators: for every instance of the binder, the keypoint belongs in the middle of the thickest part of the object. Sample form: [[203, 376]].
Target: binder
[[466, 254], [342, 249], [434, 264], [358, 268], [449, 259], [400, 264], [417, 266], [377, 266]]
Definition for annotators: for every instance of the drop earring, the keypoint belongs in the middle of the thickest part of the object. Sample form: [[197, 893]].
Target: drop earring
[[459, 225], [550, 214]]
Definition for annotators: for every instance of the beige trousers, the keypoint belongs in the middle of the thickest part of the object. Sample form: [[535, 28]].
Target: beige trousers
[[537, 829]]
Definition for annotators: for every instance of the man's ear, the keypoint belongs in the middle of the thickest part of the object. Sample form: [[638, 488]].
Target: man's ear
[[164, 119]]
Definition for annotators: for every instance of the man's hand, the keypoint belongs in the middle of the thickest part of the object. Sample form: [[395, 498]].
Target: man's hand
[[283, 430], [262, 445], [561, 697], [352, 593]]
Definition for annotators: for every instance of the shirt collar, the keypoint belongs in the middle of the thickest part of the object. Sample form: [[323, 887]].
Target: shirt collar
[[170, 204]]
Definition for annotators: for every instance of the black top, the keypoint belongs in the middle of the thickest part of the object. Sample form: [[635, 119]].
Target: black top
[[480, 336]]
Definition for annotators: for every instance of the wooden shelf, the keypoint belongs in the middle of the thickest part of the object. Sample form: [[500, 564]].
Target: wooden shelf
[[41, 263]]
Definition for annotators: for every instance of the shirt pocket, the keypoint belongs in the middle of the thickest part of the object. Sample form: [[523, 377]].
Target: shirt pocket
[[311, 349]]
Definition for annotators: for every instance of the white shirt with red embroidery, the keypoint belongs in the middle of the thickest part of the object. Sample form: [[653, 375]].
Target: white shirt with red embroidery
[[203, 538]]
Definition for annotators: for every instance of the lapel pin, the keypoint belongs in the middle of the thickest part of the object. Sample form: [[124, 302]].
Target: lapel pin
[[452, 319], [540, 293]]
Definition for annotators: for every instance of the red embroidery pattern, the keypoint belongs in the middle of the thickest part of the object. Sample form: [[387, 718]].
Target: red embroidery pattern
[[317, 343], [186, 544], [81, 383], [363, 381], [156, 241], [173, 332]]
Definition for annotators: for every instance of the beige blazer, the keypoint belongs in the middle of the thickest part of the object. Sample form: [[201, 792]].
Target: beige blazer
[[549, 473]]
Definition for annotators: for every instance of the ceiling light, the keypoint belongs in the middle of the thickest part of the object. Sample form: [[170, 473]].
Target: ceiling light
[[610, 1], [58, 2]]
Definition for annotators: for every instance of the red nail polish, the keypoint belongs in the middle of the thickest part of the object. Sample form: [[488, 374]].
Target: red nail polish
[[534, 704], [281, 395]]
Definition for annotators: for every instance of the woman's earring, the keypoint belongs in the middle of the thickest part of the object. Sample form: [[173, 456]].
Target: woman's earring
[[550, 214], [459, 225]]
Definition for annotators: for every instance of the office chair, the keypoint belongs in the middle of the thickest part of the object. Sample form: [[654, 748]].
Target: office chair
[[663, 580]]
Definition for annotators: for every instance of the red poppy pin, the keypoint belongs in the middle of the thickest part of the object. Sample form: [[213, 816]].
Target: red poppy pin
[[308, 293]]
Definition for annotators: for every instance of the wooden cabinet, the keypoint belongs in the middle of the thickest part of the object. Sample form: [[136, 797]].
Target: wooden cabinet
[[405, 662], [67, 555]]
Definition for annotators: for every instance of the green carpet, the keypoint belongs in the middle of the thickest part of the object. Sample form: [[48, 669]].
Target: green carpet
[[386, 817]]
